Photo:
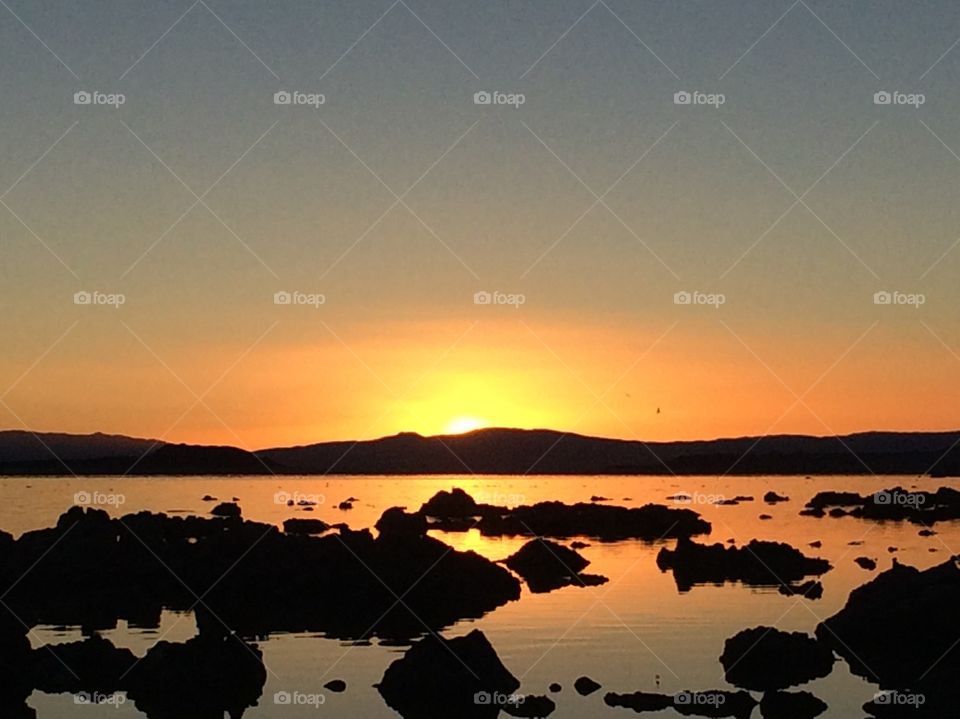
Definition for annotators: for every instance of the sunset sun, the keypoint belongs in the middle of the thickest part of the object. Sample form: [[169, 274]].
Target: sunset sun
[[460, 425]]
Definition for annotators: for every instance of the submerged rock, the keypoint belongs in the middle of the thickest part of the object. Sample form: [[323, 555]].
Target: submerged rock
[[765, 658], [439, 678], [758, 563], [546, 566], [530, 706]]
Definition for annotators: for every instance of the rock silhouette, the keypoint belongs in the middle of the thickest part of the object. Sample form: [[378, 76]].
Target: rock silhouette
[[900, 630], [758, 563], [896, 504], [546, 566], [791, 705], [715, 703], [439, 678], [585, 686], [254, 578], [456, 510], [765, 659]]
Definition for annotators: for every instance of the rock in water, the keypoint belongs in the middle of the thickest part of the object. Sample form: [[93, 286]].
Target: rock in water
[[764, 659], [791, 705], [530, 707], [438, 678], [337, 686], [900, 630], [546, 566], [585, 686], [757, 564], [715, 703], [226, 509]]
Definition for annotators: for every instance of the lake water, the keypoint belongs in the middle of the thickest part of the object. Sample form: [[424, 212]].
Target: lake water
[[636, 632]]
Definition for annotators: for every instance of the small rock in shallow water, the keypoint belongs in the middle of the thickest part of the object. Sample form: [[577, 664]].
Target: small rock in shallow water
[[555, 688], [585, 686], [336, 686], [866, 563]]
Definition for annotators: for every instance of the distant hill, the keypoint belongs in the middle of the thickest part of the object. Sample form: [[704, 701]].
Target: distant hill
[[491, 451]]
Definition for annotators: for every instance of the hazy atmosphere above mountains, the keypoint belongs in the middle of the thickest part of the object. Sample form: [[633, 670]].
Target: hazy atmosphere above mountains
[[405, 256]]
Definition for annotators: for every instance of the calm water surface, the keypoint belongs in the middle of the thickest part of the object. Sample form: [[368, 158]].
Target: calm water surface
[[636, 632]]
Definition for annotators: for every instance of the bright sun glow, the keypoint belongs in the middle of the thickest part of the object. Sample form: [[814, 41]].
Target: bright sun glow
[[459, 425]]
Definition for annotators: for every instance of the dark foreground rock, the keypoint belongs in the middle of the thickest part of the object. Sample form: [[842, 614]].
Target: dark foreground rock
[[253, 578], [791, 705], [439, 678], [546, 566], [758, 564], [456, 511], [765, 659], [204, 678], [900, 631], [296, 525], [714, 703]]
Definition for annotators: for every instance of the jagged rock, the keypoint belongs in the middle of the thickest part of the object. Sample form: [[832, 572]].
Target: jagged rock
[[900, 630], [295, 525], [758, 563], [438, 678], [764, 659], [546, 566], [450, 510], [397, 524]]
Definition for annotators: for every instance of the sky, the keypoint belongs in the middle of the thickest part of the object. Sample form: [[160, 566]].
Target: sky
[[587, 203]]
